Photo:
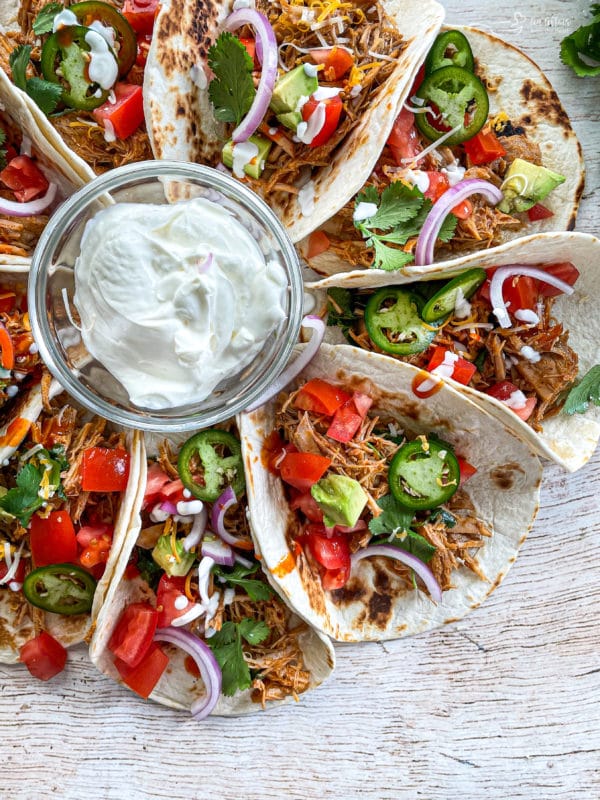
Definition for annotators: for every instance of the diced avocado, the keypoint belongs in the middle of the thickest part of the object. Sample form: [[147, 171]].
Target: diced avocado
[[341, 500], [290, 120], [165, 557], [290, 89], [526, 184], [255, 166]]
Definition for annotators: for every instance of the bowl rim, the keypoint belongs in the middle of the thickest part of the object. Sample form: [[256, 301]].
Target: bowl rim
[[119, 178]]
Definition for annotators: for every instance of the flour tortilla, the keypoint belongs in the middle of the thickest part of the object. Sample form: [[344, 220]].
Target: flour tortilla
[[177, 688], [517, 86], [505, 494], [59, 164], [179, 116], [19, 621], [568, 440]]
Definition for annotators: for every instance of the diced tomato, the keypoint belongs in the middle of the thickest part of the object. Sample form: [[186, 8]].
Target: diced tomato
[[538, 212], [463, 369], [463, 210], [321, 397], [52, 539], [250, 45], [24, 178], [306, 503], [484, 148], [19, 575], [566, 271], [503, 390], [126, 114], [404, 141], [302, 470], [104, 469], [521, 292], [170, 594], [133, 633], [143, 678], [95, 541], [318, 242], [333, 112], [144, 41], [346, 421], [332, 552], [43, 656], [7, 347], [438, 185], [336, 61], [362, 403], [155, 480], [141, 14], [466, 470], [173, 491], [333, 579], [273, 451]]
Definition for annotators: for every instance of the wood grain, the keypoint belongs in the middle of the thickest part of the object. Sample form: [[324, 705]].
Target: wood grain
[[504, 704]]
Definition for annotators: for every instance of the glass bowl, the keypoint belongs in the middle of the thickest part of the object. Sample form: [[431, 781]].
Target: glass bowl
[[54, 318]]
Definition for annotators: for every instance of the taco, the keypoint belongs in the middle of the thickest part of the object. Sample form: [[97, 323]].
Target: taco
[[525, 349], [37, 173], [190, 619], [307, 143], [81, 66], [379, 515], [66, 491], [481, 153]]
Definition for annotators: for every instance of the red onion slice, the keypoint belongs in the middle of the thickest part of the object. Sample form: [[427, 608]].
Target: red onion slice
[[293, 369], [168, 507], [198, 528], [451, 197], [210, 671], [217, 516], [266, 45], [514, 270], [418, 566], [31, 208], [220, 552]]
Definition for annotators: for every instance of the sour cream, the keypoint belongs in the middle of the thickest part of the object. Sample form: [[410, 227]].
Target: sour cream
[[63, 19], [103, 68], [166, 326]]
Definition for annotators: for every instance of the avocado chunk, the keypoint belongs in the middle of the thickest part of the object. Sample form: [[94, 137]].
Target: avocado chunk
[[341, 500], [289, 91], [290, 120], [526, 184], [165, 557], [256, 164]]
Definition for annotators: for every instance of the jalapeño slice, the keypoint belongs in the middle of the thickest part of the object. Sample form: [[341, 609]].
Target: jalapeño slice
[[125, 42], [60, 588], [209, 462], [393, 321], [65, 61], [443, 302], [450, 49], [423, 474], [461, 101]]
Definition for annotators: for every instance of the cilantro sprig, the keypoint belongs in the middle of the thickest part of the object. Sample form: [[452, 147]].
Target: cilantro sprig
[[232, 89], [255, 589], [44, 21], [340, 310], [37, 481], [401, 213], [394, 525], [44, 93], [226, 645], [581, 44], [585, 392]]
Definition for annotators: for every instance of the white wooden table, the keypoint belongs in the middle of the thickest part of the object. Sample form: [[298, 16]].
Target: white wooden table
[[505, 704]]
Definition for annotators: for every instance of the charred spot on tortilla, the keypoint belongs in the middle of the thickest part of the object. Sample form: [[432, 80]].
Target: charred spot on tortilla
[[497, 581], [380, 609], [546, 103], [352, 592], [504, 476]]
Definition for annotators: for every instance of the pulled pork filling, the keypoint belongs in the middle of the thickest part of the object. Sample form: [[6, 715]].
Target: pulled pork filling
[[366, 459], [497, 352], [27, 362], [277, 663], [362, 28]]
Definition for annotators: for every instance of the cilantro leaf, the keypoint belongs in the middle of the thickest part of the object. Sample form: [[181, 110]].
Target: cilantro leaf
[[36, 482], [399, 203], [232, 89], [416, 544], [226, 645], [255, 589], [394, 518], [46, 94], [585, 392], [44, 21], [388, 258], [150, 571], [581, 44], [339, 309], [448, 228]]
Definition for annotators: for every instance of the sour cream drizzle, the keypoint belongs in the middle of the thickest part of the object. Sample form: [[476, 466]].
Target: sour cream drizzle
[[103, 68], [169, 332]]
